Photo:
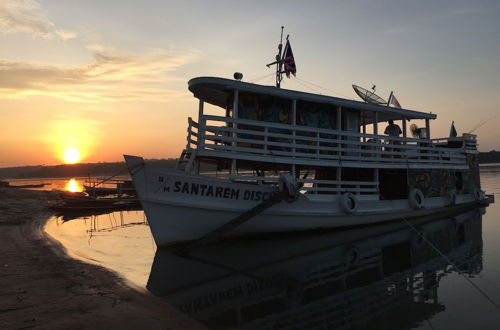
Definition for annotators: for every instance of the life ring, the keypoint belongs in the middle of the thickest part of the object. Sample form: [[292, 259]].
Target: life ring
[[416, 198], [478, 194], [348, 203], [452, 195]]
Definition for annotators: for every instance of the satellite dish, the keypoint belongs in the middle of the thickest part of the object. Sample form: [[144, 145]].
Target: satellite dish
[[368, 96]]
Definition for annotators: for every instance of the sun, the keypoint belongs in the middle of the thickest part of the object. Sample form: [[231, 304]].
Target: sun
[[71, 156]]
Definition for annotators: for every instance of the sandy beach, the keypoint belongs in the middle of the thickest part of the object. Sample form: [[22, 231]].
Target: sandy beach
[[42, 288]]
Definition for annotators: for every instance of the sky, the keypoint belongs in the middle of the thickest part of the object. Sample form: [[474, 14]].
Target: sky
[[109, 78]]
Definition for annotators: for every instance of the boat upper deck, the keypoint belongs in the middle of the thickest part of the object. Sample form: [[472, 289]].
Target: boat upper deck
[[273, 125], [220, 91]]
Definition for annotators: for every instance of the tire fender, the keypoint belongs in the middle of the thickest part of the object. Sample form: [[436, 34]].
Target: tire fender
[[348, 203], [416, 199]]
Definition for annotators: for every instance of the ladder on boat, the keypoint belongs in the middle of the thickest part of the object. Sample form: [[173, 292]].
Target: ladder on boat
[[185, 161]]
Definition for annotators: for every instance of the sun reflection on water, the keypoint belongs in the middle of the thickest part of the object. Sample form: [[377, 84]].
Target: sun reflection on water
[[73, 186]]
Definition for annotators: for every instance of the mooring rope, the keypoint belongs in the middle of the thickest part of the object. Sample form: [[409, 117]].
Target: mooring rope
[[114, 175]]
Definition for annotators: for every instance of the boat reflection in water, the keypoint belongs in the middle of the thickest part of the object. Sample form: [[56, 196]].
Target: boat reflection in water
[[380, 277], [94, 223]]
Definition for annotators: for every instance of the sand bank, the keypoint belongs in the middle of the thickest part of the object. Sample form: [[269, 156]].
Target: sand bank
[[42, 288]]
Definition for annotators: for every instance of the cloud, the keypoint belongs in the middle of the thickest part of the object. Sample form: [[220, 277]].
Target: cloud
[[110, 76], [65, 35], [26, 16]]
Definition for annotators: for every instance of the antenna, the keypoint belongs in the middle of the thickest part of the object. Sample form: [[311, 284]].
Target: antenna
[[389, 99], [369, 97], [279, 61]]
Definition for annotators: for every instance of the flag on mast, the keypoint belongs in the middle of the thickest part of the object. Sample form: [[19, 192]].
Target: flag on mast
[[288, 60], [393, 101], [453, 131]]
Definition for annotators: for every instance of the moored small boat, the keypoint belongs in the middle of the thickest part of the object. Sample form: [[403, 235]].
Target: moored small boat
[[86, 204], [6, 184], [121, 187]]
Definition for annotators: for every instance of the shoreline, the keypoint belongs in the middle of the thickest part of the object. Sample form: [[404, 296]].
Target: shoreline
[[42, 287]]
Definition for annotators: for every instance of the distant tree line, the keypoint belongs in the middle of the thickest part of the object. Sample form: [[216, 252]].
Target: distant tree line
[[75, 170], [489, 157], [108, 169]]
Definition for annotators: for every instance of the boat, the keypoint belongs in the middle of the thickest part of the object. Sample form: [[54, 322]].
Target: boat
[[121, 187], [385, 276], [85, 204], [6, 184], [279, 160]]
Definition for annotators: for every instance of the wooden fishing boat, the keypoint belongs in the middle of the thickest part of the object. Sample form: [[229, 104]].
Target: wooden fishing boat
[[118, 187], [87, 204]]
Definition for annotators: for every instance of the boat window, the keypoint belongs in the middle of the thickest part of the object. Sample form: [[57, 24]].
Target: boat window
[[319, 115], [277, 110], [264, 108], [350, 120], [249, 106]]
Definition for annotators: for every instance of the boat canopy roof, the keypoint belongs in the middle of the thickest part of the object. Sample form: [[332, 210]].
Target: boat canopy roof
[[219, 92]]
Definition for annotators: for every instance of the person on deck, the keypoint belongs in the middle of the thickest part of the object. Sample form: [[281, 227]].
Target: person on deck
[[393, 130]]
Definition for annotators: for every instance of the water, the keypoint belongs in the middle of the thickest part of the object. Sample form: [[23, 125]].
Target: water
[[66, 184], [383, 277], [120, 241]]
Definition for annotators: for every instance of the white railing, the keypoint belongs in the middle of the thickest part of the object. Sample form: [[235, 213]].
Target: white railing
[[467, 142], [315, 185], [192, 137], [224, 134]]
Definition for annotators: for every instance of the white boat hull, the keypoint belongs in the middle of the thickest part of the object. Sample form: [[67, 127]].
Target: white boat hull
[[182, 207]]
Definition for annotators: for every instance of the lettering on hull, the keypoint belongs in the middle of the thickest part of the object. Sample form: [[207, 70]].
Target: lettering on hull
[[207, 190]]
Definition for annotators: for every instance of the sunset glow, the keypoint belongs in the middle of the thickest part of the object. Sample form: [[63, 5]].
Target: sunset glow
[[71, 156], [74, 75]]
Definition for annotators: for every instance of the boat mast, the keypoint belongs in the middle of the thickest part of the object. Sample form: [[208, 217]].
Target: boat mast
[[279, 61]]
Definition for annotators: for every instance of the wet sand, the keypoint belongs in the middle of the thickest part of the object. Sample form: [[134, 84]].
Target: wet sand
[[42, 288]]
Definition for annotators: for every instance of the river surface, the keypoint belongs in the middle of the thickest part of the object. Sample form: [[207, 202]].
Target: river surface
[[67, 184], [380, 277]]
